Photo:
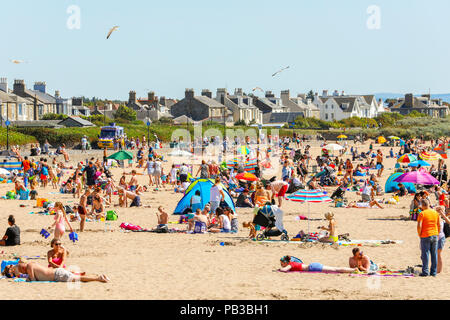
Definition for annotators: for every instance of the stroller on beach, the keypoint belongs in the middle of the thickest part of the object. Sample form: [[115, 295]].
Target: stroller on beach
[[271, 218]]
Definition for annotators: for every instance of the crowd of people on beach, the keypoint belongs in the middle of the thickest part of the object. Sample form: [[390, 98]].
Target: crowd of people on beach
[[96, 188]]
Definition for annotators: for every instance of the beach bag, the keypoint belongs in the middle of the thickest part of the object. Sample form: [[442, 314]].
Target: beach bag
[[447, 230], [200, 227], [68, 209], [111, 216], [414, 214]]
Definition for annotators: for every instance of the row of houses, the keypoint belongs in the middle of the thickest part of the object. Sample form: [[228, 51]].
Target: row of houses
[[23, 104]]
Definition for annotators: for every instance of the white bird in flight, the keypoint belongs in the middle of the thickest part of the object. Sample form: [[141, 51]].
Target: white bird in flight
[[280, 71], [111, 31], [258, 88]]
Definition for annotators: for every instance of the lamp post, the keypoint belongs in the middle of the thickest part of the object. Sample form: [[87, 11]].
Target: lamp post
[[7, 123], [149, 123]]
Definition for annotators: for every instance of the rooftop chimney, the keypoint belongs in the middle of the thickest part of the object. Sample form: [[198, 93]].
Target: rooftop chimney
[[57, 95], [132, 97], [409, 100], [4, 84], [343, 93], [207, 93], [162, 101], [189, 93], [238, 92], [151, 96], [269, 94], [19, 87], [336, 93], [40, 86], [285, 94], [325, 93]]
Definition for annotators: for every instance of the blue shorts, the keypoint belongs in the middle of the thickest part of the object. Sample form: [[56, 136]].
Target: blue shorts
[[225, 230], [441, 244], [315, 267]]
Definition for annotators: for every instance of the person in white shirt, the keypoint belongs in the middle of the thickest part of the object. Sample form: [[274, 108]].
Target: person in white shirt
[[216, 196]]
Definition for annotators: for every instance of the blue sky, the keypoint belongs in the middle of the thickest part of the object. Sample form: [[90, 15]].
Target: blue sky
[[167, 46]]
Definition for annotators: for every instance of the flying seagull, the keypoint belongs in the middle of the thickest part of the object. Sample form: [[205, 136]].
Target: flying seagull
[[280, 71], [17, 61], [258, 88], [111, 31]]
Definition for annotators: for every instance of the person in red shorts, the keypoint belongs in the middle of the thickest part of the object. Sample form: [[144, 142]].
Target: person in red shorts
[[279, 189]]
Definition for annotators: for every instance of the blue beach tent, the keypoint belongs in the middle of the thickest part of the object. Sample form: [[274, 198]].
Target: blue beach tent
[[204, 186], [392, 186]]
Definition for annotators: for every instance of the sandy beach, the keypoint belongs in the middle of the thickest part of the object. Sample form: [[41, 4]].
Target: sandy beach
[[185, 266]]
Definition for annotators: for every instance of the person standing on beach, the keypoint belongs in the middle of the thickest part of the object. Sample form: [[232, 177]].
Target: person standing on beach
[[82, 208], [216, 196], [380, 165], [90, 172], [83, 144], [428, 228]]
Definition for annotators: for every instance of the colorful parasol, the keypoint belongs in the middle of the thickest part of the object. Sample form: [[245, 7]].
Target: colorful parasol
[[430, 156], [418, 177], [407, 158], [309, 196], [382, 140], [247, 176]]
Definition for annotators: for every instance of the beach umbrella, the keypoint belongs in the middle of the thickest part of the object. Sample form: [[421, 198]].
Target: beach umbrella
[[250, 165], [121, 155], [407, 158], [430, 156], [381, 140], [394, 138], [443, 154], [342, 136], [309, 196], [333, 147], [421, 163], [418, 177], [247, 176], [244, 150]]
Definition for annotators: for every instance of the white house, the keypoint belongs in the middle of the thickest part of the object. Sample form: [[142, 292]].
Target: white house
[[338, 107]]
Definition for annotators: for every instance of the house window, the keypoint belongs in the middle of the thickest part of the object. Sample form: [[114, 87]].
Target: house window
[[40, 109], [326, 116], [20, 109]]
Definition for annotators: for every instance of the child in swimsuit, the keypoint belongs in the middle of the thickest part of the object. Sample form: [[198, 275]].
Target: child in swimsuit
[[60, 218]]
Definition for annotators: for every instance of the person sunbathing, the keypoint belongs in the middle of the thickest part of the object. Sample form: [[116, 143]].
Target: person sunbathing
[[364, 205], [288, 265], [331, 229], [363, 262], [35, 272]]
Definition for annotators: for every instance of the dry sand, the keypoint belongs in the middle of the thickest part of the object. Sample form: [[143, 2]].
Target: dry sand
[[182, 266]]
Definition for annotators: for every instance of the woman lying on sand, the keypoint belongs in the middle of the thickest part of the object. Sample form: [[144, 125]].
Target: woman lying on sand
[[364, 205], [291, 266]]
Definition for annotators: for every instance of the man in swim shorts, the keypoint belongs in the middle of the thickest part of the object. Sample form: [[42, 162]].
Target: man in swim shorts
[[82, 211], [363, 262], [37, 272]]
